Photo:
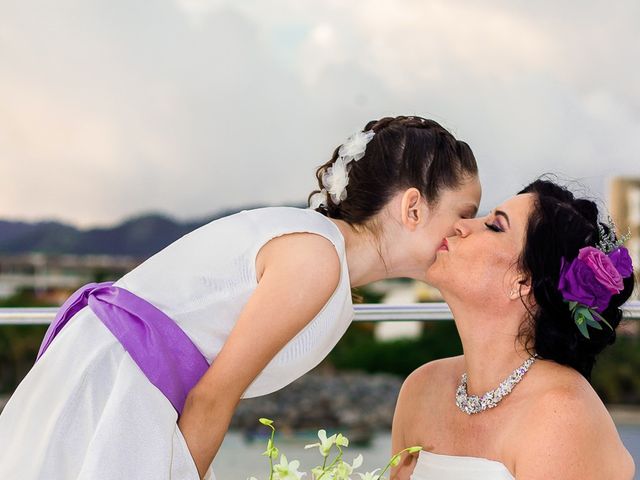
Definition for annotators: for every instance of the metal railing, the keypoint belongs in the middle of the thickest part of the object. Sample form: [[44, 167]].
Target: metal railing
[[367, 312]]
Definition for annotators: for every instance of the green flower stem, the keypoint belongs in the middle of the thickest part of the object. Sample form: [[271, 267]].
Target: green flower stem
[[387, 466], [391, 461], [273, 432], [336, 460]]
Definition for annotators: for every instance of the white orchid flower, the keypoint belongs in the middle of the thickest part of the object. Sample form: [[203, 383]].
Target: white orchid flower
[[342, 441], [271, 451], [370, 475], [344, 470], [316, 472], [325, 443], [287, 470], [328, 475]]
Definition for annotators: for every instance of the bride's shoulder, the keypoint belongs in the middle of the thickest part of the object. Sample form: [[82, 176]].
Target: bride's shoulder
[[559, 394], [436, 368], [565, 418], [435, 372], [559, 386]]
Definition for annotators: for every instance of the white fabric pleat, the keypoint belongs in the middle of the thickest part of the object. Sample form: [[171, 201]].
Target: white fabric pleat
[[432, 466]]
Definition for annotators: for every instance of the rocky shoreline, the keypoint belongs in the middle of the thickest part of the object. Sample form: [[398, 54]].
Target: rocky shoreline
[[359, 403], [352, 401], [355, 402]]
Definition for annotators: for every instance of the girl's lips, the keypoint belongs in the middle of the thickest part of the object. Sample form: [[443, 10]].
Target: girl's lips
[[444, 246]]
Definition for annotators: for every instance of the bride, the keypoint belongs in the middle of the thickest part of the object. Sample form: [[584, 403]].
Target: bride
[[534, 286]]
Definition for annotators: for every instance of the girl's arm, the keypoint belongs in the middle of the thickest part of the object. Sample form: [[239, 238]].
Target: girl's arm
[[299, 273], [403, 418]]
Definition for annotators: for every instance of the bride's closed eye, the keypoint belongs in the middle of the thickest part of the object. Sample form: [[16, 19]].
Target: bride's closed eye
[[493, 227]]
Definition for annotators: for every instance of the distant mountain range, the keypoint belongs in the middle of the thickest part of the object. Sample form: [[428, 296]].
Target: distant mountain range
[[139, 236]]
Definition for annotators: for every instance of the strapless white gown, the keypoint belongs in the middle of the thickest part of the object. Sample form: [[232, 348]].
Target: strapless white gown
[[434, 466]]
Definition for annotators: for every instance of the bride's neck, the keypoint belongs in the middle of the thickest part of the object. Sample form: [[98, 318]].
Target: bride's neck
[[492, 349]]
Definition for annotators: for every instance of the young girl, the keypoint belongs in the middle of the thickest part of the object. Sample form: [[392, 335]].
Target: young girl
[[139, 379]]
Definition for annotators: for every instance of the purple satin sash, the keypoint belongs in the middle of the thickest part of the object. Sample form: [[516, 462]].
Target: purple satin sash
[[164, 353]]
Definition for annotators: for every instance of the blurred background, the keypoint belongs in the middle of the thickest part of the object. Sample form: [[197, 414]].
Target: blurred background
[[124, 124]]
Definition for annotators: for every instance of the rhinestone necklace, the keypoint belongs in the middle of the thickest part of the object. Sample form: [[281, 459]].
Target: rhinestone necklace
[[470, 404]]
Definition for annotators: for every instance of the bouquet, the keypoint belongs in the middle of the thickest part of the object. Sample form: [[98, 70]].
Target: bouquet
[[336, 469]]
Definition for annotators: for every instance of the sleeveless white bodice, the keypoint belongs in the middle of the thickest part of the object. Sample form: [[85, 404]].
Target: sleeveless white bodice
[[203, 280], [433, 466], [86, 411]]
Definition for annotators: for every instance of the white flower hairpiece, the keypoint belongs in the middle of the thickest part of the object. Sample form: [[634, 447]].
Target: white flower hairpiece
[[336, 177]]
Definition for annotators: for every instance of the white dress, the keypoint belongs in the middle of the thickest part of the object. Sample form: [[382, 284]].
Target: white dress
[[434, 466], [86, 411]]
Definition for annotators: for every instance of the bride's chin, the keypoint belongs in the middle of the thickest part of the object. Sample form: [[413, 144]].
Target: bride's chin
[[432, 277]]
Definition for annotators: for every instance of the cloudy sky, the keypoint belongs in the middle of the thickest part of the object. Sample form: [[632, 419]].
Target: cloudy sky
[[111, 108]]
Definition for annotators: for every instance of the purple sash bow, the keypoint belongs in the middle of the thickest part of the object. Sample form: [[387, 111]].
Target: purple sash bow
[[164, 353]]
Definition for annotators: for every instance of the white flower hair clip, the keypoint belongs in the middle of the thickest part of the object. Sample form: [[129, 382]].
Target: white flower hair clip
[[336, 177]]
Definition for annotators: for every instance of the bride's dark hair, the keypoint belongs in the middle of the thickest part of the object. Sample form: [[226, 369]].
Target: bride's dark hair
[[405, 152], [560, 225]]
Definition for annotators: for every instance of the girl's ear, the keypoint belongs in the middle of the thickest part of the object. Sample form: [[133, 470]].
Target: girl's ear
[[411, 208]]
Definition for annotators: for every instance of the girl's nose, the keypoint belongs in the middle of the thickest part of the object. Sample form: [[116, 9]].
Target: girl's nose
[[463, 227]]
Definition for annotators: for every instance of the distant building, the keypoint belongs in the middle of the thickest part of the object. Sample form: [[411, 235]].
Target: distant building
[[399, 294], [402, 293], [624, 204], [47, 274]]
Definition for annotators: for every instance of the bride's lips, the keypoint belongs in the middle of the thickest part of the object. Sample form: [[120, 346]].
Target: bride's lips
[[444, 246]]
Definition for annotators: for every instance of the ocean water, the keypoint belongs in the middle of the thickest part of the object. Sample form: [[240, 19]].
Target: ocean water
[[238, 459]]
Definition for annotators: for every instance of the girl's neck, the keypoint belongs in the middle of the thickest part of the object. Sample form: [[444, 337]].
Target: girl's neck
[[372, 257], [364, 256]]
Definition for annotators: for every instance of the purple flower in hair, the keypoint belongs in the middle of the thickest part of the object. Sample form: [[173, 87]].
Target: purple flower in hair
[[588, 282], [593, 277], [622, 261], [578, 284], [603, 268]]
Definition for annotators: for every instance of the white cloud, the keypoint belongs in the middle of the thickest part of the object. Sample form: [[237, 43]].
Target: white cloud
[[113, 107]]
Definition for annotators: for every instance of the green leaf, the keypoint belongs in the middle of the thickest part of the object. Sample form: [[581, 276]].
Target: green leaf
[[586, 312], [573, 305], [582, 326], [592, 323], [265, 421], [602, 319]]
